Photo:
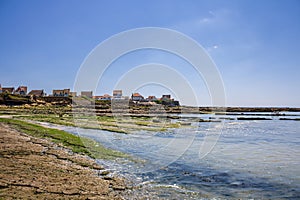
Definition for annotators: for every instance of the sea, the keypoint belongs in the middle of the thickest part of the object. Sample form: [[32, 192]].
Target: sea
[[220, 158]]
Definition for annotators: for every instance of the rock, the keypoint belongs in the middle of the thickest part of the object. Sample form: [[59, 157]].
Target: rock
[[108, 178], [56, 174], [118, 187], [97, 167], [3, 185], [104, 173]]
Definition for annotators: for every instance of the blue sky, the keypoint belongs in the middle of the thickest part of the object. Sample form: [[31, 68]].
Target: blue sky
[[255, 44]]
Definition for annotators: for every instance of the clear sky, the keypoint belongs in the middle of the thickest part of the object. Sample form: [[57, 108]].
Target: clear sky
[[255, 44]]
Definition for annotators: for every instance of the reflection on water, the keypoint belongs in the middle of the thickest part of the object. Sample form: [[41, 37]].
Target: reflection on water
[[252, 159]]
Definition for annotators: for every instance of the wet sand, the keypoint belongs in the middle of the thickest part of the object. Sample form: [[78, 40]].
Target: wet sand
[[34, 168]]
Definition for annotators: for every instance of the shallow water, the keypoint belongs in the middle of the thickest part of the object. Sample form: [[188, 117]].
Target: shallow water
[[251, 159]]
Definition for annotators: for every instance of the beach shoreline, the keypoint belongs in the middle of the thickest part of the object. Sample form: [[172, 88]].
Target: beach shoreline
[[37, 168]]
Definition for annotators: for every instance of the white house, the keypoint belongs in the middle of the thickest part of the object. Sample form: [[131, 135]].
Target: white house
[[136, 97], [151, 98], [106, 97], [117, 94]]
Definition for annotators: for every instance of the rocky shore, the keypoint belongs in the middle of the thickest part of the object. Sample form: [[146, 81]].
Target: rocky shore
[[35, 168]]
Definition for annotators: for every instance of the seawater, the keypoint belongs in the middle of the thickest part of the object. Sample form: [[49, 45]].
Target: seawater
[[251, 159]]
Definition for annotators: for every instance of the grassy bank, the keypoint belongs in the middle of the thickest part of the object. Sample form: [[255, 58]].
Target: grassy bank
[[65, 116], [108, 123], [77, 144]]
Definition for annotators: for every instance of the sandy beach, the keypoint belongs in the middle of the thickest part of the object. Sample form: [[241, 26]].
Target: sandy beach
[[34, 168]]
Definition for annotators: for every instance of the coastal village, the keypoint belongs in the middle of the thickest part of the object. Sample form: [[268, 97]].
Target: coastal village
[[136, 98]]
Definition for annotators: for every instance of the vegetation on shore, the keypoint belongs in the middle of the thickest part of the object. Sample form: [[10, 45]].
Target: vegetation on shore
[[64, 115], [108, 123], [77, 144]]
